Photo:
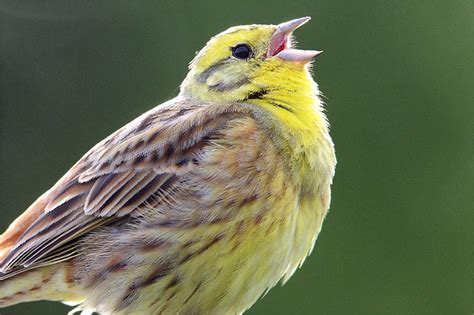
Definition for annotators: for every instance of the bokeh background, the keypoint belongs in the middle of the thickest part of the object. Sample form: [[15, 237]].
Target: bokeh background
[[398, 77]]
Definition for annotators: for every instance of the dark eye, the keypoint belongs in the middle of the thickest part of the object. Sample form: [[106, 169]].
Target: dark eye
[[241, 51]]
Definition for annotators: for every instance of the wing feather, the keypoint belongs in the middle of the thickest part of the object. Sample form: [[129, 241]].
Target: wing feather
[[138, 165]]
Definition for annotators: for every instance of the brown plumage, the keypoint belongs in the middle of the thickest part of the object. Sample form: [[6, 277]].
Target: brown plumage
[[134, 168]]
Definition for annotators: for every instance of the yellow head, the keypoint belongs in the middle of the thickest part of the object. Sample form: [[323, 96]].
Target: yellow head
[[253, 64]]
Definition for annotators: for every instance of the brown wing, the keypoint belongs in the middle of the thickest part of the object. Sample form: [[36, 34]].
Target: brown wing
[[115, 179]]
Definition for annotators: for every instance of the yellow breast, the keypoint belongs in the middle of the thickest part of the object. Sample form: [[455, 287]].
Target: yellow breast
[[264, 237]]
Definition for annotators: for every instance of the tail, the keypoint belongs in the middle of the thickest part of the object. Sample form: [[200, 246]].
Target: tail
[[52, 282], [44, 283]]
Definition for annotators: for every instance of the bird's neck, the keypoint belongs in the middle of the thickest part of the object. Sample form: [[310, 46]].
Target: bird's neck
[[294, 113], [292, 100]]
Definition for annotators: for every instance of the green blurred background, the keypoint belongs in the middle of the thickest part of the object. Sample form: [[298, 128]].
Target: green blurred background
[[398, 79]]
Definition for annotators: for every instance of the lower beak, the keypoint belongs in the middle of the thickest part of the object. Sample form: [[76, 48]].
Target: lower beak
[[279, 43]]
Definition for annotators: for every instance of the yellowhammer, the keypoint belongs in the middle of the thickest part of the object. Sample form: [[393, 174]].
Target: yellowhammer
[[198, 206]]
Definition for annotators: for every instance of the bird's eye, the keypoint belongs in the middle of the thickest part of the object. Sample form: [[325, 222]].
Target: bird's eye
[[242, 51]]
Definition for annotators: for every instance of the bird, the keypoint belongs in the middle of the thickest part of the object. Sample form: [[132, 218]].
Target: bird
[[198, 206]]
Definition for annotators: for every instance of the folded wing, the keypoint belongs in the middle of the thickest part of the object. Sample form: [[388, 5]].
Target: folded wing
[[136, 166]]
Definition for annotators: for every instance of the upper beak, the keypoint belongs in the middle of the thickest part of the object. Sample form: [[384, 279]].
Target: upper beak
[[280, 41]]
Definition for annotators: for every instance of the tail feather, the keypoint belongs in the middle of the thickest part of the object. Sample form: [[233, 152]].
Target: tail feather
[[32, 285], [10, 237]]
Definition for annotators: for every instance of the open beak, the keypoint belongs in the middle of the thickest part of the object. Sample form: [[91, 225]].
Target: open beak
[[280, 45]]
